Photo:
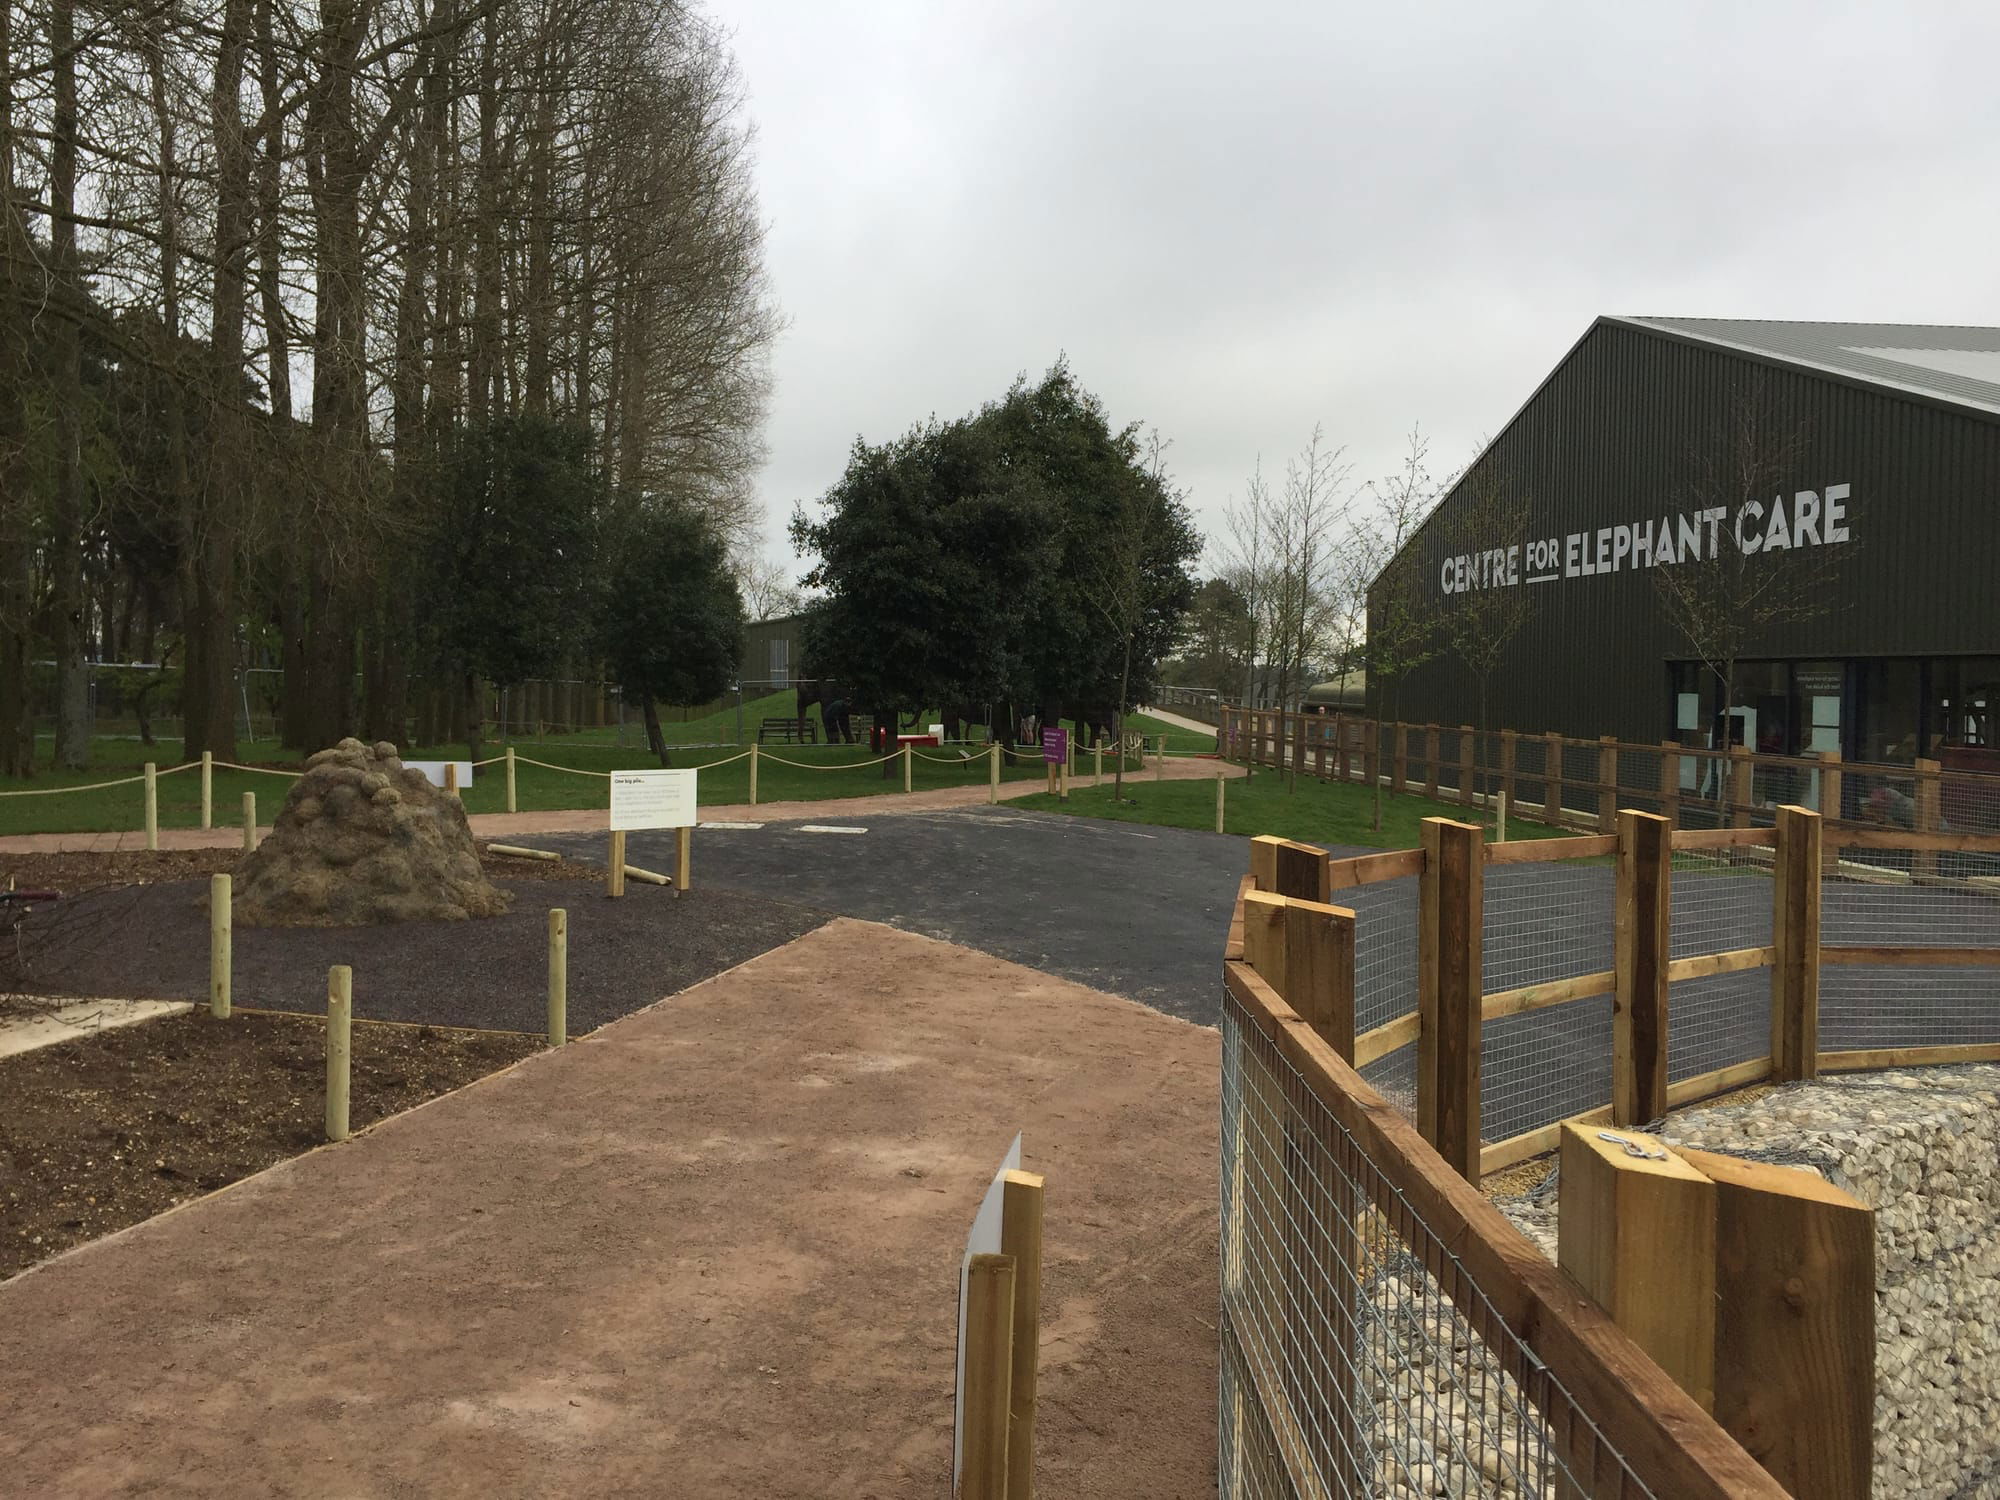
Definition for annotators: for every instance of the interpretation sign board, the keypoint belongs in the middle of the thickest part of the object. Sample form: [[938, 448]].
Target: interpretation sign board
[[1055, 746], [434, 771], [652, 799], [983, 1240]]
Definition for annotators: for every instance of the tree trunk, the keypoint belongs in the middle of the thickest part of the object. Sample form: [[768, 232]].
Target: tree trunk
[[17, 741], [656, 738]]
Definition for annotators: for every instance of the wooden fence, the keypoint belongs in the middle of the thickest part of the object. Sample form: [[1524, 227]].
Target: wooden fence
[[1343, 1217], [1583, 783], [1453, 1007]]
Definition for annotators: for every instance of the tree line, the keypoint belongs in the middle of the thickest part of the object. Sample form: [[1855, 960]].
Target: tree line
[[1028, 558], [368, 339]]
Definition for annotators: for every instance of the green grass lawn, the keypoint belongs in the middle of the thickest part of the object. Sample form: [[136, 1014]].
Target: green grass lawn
[[816, 772], [1325, 813]]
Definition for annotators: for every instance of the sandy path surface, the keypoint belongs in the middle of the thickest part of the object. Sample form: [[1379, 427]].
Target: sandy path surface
[[709, 1251], [589, 820]]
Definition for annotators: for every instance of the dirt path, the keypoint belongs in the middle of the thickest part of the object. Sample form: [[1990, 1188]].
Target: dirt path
[[591, 820], [709, 1251]]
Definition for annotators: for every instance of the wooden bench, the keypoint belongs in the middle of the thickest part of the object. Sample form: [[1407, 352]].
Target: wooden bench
[[788, 731]]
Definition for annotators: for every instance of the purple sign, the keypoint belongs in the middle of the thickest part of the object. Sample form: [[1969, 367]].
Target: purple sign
[[1055, 746]]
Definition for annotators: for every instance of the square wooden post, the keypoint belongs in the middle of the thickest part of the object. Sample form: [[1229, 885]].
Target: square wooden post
[[1795, 931], [1930, 806], [1341, 761], [1264, 861], [1607, 784], [1741, 785], [1639, 1013], [1829, 807], [989, 1377], [1431, 761], [1303, 871], [1507, 750], [1399, 774], [1319, 971], [1468, 745], [1021, 1242], [1552, 780], [1794, 1324], [1449, 965], [1670, 781], [1637, 1234]]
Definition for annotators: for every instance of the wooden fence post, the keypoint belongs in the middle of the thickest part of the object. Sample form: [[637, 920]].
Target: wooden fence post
[[1319, 971], [249, 821], [1264, 861], [1431, 761], [1795, 927], [339, 1047], [989, 1368], [1794, 1324], [1468, 746], [1160, 760], [753, 773], [1930, 803], [558, 976], [1399, 774], [1021, 1242], [1303, 871], [451, 778], [909, 762], [220, 953], [1552, 780], [993, 770], [1607, 784], [1340, 747], [208, 789], [614, 870], [1741, 785], [1449, 964], [1637, 1234], [1220, 782], [513, 803], [152, 805], [1670, 781], [1644, 927], [683, 860], [1830, 777], [1507, 751]]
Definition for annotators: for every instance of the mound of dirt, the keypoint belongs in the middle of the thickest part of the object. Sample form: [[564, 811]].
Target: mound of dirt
[[362, 839]]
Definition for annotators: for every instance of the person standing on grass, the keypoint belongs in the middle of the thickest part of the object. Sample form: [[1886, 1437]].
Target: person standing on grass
[[834, 714]]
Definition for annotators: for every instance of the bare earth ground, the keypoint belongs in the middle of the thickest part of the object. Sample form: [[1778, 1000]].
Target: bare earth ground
[[112, 1127], [709, 1251]]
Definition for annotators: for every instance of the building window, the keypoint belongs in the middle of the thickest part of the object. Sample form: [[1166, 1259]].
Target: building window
[[781, 662], [1961, 707]]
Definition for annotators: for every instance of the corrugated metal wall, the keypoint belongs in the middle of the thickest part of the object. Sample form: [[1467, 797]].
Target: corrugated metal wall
[[1616, 434]]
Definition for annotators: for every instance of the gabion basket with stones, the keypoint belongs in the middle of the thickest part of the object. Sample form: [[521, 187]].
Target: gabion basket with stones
[[364, 839]]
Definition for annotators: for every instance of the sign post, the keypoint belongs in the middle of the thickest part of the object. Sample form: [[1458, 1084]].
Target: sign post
[[1055, 757], [647, 800]]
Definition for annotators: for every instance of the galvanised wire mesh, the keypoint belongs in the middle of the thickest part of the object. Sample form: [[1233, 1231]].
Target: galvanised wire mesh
[[1385, 976], [1911, 898], [1579, 768], [1545, 922], [1359, 1356], [1531, 754]]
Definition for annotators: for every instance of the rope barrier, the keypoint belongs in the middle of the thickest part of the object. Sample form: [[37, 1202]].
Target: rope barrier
[[53, 791], [230, 765], [571, 770], [725, 761], [846, 765]]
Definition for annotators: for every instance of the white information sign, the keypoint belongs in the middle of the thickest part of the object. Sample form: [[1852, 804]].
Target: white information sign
[[652, 799], [434, 771], [983, 1240]]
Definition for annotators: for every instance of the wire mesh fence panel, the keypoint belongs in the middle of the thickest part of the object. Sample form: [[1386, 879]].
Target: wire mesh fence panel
[[1548, 921], [1545, 1066], [1579, 769], [1722, 901], [1717, 1021], [1449, 771], [1866, 1006], [1530, 770], [1394, 1076], [1385, 949], [1639, 780], [1918, 898], [1359, 1357]]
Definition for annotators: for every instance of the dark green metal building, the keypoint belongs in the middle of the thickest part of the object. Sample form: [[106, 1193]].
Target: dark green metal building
[[1831, 488]]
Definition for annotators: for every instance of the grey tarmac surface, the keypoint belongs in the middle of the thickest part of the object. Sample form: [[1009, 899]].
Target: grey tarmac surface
[[1135, 911]]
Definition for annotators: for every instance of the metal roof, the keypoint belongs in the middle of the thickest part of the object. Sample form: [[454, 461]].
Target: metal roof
[[1959, 365]]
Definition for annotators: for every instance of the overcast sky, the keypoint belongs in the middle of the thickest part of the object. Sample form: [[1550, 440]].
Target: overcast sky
[[1239, 220]]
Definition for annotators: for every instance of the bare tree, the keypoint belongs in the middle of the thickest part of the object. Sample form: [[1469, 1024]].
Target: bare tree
[[1728, 590], [768, 590], [1402, 628], [1487, 526]]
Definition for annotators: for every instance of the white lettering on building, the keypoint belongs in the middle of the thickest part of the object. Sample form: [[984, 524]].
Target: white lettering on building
[[1808, 518]]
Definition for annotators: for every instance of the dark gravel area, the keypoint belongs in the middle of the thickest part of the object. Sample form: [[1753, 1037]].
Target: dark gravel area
[[151, 941], [1134, 910]]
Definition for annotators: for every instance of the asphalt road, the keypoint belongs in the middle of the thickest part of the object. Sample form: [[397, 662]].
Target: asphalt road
[[1138, 912]]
